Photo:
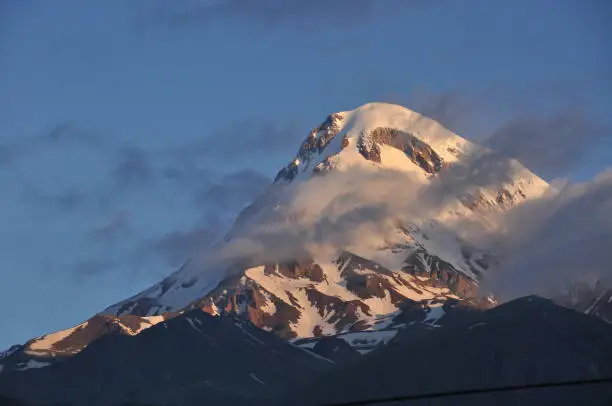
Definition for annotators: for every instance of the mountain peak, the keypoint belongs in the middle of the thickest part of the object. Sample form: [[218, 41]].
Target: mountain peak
[[377, 134]]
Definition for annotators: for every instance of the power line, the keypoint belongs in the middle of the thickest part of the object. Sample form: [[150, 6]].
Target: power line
[[509, 388]]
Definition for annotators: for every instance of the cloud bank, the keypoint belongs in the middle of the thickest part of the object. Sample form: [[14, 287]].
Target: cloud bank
[[131, 210], [551, 144], [557, 241], [543, 245]]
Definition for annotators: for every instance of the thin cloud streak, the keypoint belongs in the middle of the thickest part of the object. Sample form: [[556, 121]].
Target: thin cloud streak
[[119, 237], [550, 145], [558, 241], [300, 14]]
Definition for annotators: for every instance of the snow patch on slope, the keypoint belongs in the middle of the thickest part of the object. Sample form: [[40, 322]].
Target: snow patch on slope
[[33, 364], [313, 317], [434, 313], [256, 379], [367, 341], [395, 159], [46, 342], [148, 321], [82, 334], [174, 292]]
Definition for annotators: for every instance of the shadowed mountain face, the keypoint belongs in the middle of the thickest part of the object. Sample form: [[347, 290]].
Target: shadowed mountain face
[[197, 359], [526, 341], [6, 401], [590, 299], [56, 347], [193, 357]]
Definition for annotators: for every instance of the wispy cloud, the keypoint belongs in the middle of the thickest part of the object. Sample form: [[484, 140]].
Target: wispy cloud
[[218, 204], [553, 144], [178, 246], [93, 266], [7, 9], [117, 227], [233, 190], [551, 128], [133, 169], [5, 155], [55, 138], [243, 138], [357, 210], [63, 200], [544, 246], [119, 198], [453, 109], [71, 133], [294, 13], [559, 240]]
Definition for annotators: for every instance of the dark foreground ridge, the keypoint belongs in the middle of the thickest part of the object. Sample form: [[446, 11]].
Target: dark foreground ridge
[[523, 342], [190, 359], [479, 391], [197, 359]]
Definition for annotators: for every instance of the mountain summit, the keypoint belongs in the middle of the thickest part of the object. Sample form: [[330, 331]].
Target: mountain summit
[[386, 134]]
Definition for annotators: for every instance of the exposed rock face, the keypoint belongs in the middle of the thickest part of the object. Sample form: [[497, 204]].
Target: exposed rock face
[[243, 297], [438, 272], [420, 153], [328, 130], [140, 306], [304, 299], [314, 144]]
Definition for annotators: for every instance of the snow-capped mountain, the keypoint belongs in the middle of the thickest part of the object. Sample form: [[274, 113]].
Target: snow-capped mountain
[[354, 288], [365, 240], [376, 154]]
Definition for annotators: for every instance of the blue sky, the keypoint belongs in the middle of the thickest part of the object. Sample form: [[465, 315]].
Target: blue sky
[[132, 132]]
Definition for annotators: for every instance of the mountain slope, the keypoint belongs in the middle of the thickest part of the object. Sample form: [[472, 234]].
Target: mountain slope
[[46, 350], [447, 178], [526, 341], [590, 299], [189, 359]]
